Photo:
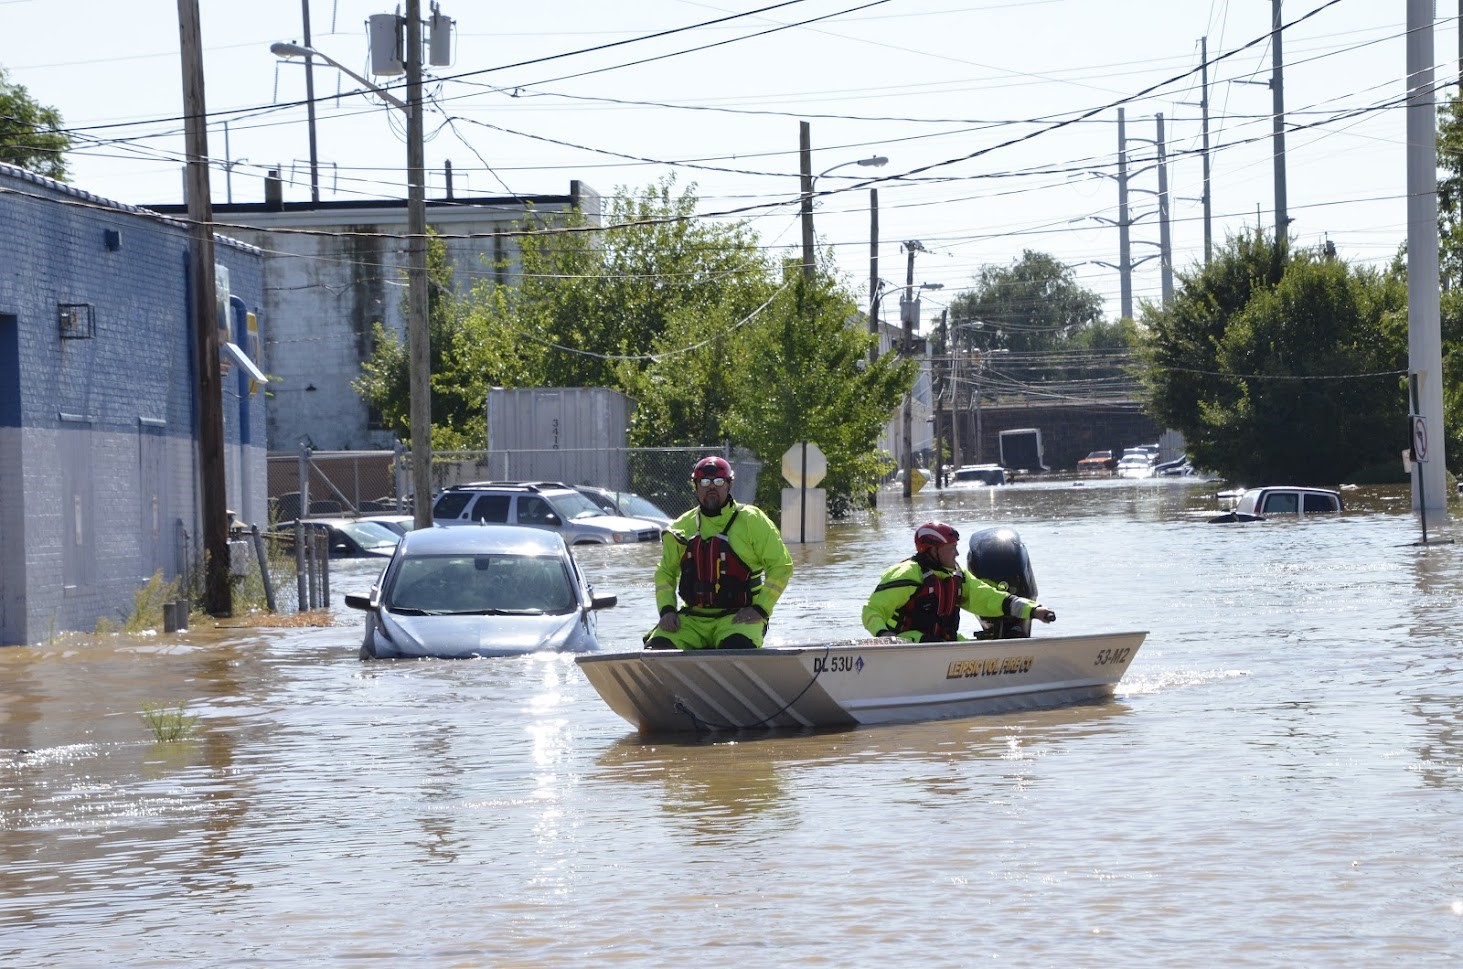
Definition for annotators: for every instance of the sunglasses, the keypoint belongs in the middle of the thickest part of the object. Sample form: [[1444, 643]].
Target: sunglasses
[[710, 482]]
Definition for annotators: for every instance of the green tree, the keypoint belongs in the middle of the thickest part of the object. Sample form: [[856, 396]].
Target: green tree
[[807, 378], [1033, 304], [30, 133], [715, 341], [470, 353], [1282, 366]]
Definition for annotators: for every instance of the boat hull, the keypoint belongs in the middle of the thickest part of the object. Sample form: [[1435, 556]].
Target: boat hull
[[863, 681]]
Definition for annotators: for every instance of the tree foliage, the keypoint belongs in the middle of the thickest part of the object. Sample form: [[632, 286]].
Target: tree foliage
[[1033, 304], [807, 379], [30, 132], [715, 341], [1282, 365]]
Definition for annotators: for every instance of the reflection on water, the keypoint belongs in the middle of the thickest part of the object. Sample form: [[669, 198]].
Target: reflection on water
[[1277, 780]]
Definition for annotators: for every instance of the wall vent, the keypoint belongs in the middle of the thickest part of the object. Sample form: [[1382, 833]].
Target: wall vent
[[78, 320]]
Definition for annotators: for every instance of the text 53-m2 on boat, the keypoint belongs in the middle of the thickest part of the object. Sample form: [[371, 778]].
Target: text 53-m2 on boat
[[868, 681]]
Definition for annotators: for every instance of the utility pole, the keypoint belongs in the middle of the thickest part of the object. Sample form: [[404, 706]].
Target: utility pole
[[1424, 325], [908, 311], [805, 162], [1277, 90], [1165, 248], [419, 346], [1125, 245], [310, 105], [874, 271], [1204, 153], [950, 383], [212, 481]]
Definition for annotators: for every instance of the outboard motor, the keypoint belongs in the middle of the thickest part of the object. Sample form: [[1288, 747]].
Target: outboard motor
[[998, 556]]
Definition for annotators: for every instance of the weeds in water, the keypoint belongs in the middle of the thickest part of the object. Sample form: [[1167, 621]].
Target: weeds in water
[[169, 724], [147, 608]]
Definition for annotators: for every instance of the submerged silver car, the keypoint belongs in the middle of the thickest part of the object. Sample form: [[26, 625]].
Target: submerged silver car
[[494, 590]]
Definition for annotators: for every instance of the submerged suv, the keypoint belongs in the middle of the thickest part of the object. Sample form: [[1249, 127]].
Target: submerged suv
[[539, 504]]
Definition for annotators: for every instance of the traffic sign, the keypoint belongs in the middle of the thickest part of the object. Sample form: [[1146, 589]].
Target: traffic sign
[[1419, 439], [800, 474]]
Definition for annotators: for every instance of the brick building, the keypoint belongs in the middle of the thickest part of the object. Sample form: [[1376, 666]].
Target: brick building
[[98, 408]]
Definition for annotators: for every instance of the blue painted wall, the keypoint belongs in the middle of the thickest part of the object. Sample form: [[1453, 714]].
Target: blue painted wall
[[98, 454]]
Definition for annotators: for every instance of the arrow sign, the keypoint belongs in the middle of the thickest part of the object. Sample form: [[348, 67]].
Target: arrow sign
[[1419, 439]]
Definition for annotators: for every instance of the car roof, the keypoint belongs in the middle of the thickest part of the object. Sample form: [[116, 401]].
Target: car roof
[[333, 522], [1296, 488], [471, 539], [510, 486]]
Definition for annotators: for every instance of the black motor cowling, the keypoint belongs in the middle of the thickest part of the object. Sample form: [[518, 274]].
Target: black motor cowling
[[997, 556]]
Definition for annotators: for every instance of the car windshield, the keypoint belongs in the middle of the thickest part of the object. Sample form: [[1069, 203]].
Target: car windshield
[[572, 505], [370, 535], [638, 507], [500, 583]]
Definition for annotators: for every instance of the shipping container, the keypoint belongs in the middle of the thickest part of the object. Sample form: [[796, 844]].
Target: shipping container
[[572, 434]]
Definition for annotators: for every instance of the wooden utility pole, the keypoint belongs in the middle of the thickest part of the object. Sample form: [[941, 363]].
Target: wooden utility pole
[[418, 334], [310, 105], [218, 596], [908, 312], [805, 162], [874, 271], [1204, 152]]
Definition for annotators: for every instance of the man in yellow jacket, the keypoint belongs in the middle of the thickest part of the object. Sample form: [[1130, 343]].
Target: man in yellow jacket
[[727, 564], [920, 599]]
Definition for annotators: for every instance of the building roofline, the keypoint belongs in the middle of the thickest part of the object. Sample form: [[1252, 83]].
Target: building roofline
[[91, 200]]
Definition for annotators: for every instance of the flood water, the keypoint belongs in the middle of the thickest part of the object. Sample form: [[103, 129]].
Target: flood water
[[1278, 782]]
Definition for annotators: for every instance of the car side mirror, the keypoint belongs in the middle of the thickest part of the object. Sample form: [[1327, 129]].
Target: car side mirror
[[358, 602], [553, 519], [603, 602]]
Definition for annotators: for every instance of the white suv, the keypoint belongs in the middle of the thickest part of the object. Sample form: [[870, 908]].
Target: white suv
[[539, 504]]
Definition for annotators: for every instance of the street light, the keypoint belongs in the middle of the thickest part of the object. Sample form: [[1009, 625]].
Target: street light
[[807, 203], [877, 161], [418, 337]]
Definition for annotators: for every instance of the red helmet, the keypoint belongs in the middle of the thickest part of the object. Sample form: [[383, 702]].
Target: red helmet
[[713, 467], [933, 535]]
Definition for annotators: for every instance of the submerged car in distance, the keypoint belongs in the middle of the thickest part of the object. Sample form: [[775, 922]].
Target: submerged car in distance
[[348, 537], [626, 504], [549, 505], [400, 524], [1255, 504], [1098, 462], [492, 590]]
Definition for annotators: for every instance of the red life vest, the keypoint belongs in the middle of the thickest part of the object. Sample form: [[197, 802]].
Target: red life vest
[[934, 608], [712, 576]]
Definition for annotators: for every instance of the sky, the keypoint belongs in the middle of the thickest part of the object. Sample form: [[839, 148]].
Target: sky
[[998, 117]]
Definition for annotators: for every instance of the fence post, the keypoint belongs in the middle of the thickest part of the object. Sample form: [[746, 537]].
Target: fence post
[[264, 575], [324, 567], [398, 464]]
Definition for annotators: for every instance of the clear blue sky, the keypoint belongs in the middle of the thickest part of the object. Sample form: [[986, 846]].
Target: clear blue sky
[[967, 100]]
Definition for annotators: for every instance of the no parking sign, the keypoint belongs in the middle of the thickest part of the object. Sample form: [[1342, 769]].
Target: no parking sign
[[1419, 439]]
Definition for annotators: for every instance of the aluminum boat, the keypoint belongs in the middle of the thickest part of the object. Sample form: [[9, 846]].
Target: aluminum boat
[[854, 682]]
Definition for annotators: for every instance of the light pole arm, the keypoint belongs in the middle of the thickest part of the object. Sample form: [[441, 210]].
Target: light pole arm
[[295, 50]]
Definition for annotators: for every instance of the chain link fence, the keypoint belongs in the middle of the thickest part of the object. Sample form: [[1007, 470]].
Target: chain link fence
[[352, 483]]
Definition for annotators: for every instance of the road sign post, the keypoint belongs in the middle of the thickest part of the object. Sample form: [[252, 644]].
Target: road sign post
[[803, 467]]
